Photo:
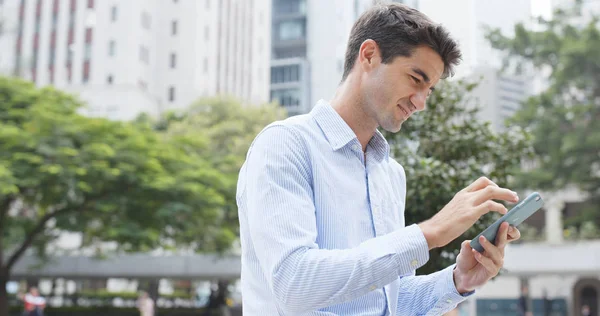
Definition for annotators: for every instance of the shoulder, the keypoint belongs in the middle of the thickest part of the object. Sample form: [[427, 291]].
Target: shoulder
[[396, 168], [287, 134]]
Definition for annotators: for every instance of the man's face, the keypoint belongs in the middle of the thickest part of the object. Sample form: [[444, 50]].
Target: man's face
[[34, 291], [394, 91]]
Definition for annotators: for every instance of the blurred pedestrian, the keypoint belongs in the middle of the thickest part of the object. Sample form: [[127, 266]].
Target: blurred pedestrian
[[547, 303], [585, 310], [34, 303], [524, 309], [145, 304]]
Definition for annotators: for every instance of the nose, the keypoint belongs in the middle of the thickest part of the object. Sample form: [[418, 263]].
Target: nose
[[419, 99]]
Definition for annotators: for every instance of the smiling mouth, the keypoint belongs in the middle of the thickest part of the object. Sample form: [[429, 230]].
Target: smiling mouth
[[404, 110]]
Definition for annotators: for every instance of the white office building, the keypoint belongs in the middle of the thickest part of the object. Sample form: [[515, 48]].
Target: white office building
[[308, 45], [309, 39], [466, 21], [127, 57], [498, 94]]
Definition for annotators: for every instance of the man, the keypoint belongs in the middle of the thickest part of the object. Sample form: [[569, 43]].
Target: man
[[321, 203]]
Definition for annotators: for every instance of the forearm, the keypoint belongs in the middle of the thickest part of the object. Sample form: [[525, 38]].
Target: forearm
[[433, 294], [309, 279]]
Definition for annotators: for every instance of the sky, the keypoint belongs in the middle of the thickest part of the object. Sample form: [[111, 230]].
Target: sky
[[541, 7]]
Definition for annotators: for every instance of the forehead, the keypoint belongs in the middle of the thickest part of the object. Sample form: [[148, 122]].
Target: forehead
[[425, 59]]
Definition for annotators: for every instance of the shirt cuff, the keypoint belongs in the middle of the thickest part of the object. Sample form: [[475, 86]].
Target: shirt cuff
[[449, 298], [450, 288], [411, 248]]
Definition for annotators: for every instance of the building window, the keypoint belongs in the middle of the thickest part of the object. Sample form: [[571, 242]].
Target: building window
[[146, 20], [109, 79], [206, 33], [171, 94], [290, 7], [286, 97], [144, 55], [87, 52], [113, 13], [51, 57], [291, 30], [111, 48], [72, 19], [207, 7], [173, 60], [54, 21], [86, 71], [174, 27], [281, 74], [69, 55], [90, 4], [205, 65]]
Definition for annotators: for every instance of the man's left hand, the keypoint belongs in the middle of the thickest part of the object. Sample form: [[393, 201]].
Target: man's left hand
[[474, 269]]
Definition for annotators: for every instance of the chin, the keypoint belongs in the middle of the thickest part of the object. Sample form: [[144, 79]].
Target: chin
[[392, 128]]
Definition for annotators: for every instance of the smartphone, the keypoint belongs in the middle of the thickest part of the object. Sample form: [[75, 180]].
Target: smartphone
[[514, 217]]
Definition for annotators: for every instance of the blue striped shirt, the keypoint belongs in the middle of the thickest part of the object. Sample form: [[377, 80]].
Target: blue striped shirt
[[322, 226]]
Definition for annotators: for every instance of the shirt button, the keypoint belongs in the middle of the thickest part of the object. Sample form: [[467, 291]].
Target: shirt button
[[448, 301], [373, 287], [356, 147], [414, 263]]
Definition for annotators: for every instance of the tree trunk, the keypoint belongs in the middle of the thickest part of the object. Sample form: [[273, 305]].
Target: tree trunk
[[4, 310]]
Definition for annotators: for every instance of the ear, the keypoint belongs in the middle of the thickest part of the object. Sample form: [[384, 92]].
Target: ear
[[368, 54]]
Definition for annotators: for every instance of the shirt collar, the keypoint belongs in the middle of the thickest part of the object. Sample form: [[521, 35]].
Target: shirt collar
[[339, 134]]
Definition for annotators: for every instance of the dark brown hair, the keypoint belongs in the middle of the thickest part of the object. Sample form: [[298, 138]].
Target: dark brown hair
[[398, 30]]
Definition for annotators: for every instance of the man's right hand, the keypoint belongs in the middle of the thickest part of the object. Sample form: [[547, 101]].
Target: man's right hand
[[464, 210]]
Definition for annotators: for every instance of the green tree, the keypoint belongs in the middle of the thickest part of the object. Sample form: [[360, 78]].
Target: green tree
[[227, 127], [564, 118], [445, 148], [110, 181]]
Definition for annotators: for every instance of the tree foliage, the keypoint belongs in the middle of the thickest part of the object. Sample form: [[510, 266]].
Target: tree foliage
[[445, 148], [563, 119], [120, 182], [220, 130]]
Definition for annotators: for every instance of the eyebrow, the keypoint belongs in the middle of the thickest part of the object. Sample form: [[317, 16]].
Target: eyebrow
[[422, 74]]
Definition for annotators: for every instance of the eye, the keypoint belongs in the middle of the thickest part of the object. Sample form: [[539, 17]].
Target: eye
[[415, 79]]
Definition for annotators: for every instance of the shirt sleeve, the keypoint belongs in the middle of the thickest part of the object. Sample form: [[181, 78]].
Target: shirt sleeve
[[432, 294], [282, 227]]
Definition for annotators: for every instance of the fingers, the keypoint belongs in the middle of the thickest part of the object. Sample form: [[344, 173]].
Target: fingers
[[502, 236], [513, 234], [486, 262], [479, 184], [464, 248], [495, 253], [490, 205], [495, 193]]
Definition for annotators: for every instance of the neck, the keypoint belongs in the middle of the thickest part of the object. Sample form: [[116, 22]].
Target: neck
[[348, 102]]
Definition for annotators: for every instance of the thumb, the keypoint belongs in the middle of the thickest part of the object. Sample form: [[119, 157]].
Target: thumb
[[465, 246]]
